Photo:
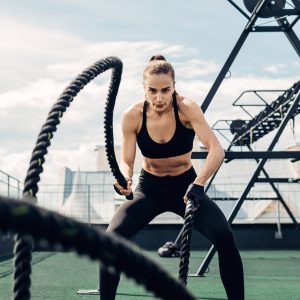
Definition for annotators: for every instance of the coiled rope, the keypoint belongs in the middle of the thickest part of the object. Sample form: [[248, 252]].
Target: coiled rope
[[186, 241], [23, 245], [111, 250]]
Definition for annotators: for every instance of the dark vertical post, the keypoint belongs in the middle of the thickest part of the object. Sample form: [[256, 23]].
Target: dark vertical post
[[18, 189], [89, 204], [8, 184]]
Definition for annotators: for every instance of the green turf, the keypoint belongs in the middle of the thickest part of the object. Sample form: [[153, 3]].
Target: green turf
[[268, 275]]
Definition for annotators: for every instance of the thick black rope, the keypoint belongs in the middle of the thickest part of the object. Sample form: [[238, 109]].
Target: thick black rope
[[109, 133], [23, 246], [57, 111], [111, 250], [186, 241]]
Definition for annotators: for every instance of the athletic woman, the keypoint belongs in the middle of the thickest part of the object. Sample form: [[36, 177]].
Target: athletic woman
[[163, 126]]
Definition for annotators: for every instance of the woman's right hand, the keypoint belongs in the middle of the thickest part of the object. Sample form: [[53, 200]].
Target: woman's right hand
[[122, 191]]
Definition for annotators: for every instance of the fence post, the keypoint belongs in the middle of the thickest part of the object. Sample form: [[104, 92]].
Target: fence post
[[8, 183], [89, 205]]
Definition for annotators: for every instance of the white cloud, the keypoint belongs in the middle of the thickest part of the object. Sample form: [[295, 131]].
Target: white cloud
[[18, 163], [15, 164], [195, 67], [36, 95], [274, 69], [83, 157], [26, 50]]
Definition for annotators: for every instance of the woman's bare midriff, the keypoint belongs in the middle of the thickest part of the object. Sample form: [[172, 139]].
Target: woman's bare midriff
[[171, 166]]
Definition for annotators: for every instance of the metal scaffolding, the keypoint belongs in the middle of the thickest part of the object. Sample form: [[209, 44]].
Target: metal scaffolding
[[275, 115]]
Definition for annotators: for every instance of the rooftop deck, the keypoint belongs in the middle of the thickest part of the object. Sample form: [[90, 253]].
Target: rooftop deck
[[56, 275]]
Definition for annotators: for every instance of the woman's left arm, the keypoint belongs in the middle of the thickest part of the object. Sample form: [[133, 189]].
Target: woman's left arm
[[205, 134]]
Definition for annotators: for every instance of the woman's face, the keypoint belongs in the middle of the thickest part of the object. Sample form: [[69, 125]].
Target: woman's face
[[158, 90]]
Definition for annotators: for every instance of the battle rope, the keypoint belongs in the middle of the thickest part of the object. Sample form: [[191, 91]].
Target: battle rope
[[109, 132], [23, 246], [111, 250], [186, 241]]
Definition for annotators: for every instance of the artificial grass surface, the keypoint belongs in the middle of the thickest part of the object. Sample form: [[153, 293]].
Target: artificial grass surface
[[58, 275]]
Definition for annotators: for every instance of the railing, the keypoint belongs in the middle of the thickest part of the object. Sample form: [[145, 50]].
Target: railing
[[10, 186], [96, 203]]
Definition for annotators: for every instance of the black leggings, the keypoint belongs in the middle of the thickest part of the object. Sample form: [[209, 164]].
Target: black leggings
[[155, 195]]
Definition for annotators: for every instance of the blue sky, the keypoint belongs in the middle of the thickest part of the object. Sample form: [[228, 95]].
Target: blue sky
[[47, 43]]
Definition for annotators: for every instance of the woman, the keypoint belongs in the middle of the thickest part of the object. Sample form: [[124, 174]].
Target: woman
[[164, 126]]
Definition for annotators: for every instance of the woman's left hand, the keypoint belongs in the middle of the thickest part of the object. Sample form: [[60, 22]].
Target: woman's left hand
[[194, 192]]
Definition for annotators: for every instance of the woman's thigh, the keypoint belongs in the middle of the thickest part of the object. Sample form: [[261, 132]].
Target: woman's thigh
[[133, 215], [211, 222]]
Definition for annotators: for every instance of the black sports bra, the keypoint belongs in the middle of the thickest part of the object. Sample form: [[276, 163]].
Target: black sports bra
[[180, 143]]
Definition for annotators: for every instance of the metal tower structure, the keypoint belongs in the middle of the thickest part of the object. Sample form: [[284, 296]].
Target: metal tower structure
[[276, 115], [279, 13]]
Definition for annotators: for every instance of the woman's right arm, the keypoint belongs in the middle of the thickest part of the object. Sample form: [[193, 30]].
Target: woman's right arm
[[128, 147]]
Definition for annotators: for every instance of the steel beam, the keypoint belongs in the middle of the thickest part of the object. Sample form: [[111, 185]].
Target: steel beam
[[278, 180], [230, 155]]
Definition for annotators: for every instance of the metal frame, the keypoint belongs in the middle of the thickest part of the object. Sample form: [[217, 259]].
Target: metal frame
[[260, 168], [283, 26], [279, 197], [268, 119], [261, 124], [279, 180], [287, 28], [259, 97], [230, 155]]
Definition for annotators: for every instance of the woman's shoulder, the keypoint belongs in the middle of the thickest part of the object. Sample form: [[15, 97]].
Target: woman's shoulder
[[134, 112], [186, 105], [189, 111], [135, 109]]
